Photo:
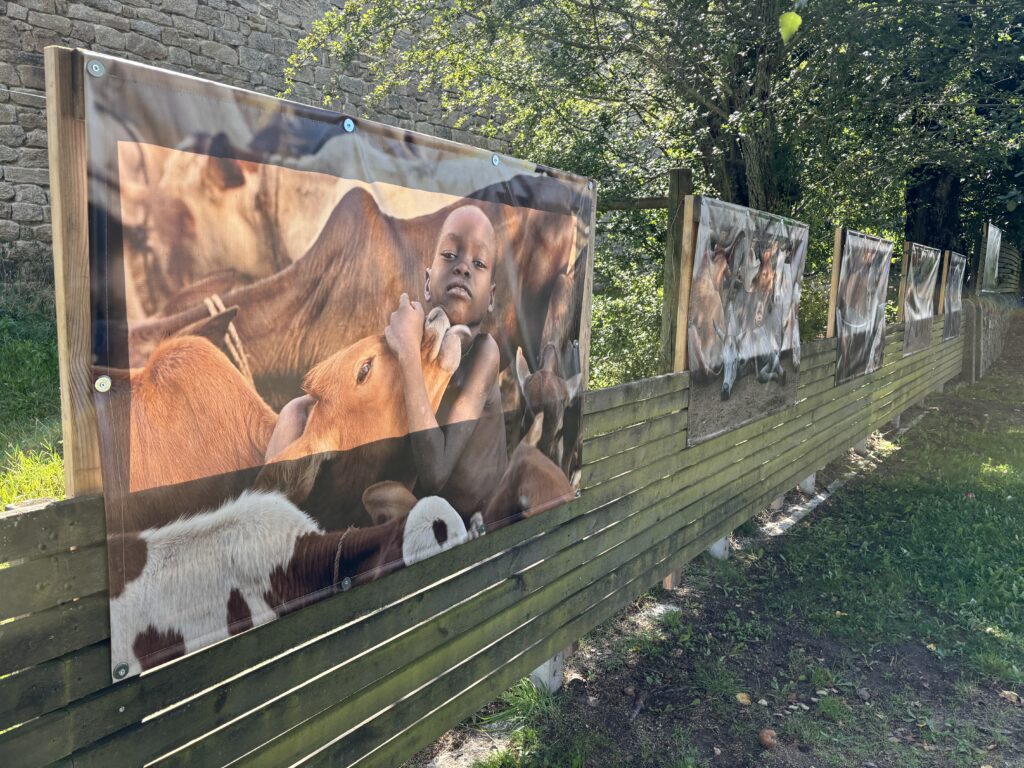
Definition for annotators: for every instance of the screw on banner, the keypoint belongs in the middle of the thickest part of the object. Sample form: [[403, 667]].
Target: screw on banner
[[346, 584], [495, 160], [95, 68], [102, 384], [120, 671], [349, 125], [590, 185]]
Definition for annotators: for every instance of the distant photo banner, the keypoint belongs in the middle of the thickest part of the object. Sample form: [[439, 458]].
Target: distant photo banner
[[990, 257], [922, 272], [325, 349], [860, 304], [743, 338], [953, 309]]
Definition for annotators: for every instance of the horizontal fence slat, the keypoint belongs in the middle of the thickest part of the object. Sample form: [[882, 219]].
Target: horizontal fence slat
[[52, 633], [634, 391], [602, 422], [35, 585]]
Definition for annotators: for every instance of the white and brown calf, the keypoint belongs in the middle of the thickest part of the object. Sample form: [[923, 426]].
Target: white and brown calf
[[201, 579]]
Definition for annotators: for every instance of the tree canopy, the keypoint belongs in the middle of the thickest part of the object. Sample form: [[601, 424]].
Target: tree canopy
[[895, 117]]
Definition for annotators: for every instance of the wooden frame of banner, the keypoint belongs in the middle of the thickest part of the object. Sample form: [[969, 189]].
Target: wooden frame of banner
[[947, 255], [65, 121], [904, 268], [833, 293]]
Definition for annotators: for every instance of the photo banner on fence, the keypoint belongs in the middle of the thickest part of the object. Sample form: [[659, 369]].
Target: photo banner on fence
[[325, 349], [920, 280], [860, 304], [743, 338], [990, 257], [953, 302]]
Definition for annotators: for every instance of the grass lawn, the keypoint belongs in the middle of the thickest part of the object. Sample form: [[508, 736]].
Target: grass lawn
[[885, 630], [30, 451]]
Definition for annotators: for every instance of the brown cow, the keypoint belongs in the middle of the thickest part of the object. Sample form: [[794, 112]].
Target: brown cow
[[346, 285], [546, 392], [190, 421], [202, 578], [707, 327], [191, 214], [532, 483]]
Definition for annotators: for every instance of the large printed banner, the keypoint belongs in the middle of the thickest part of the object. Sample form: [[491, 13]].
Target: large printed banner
[[990, 257], [325, 349], [921, 273], [953, 302], [860, 304], [743, 338]]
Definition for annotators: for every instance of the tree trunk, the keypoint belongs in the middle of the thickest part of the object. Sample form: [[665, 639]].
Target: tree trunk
[[933, 208]]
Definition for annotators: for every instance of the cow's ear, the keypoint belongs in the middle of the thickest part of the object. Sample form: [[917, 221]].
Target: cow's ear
[[222, 170], [387, 501], [214, 327], [426, 286], [532, 436], [294, 478], [549, 358], [522, 370]]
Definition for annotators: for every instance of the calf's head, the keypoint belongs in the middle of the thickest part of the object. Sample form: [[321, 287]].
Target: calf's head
[[547, 393]]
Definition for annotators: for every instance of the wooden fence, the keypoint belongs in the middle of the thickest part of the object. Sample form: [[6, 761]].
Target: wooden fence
[[370, 676]]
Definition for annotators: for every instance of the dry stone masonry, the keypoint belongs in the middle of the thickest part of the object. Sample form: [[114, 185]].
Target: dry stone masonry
[[239, 42]]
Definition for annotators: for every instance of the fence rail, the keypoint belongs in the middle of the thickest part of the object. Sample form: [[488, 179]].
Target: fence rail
[[369, 676]]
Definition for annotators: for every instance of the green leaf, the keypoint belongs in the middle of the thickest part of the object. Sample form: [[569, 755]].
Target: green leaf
[[789, 23]]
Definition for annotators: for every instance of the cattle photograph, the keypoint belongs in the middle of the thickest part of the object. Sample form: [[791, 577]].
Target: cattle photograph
[[953, 299], [920, 275], [743, 338], [858, 308], [330, 349]]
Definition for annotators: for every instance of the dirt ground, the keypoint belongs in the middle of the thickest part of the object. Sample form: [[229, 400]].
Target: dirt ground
[[693, 677]]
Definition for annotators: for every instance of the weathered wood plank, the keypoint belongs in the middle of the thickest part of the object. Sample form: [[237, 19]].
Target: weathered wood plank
[[833, 294], [675, 280], [52, 633], [35, 585], [612, 443], [52, 685], [55, 527], [626, 415], [65, 126], [634, 391]]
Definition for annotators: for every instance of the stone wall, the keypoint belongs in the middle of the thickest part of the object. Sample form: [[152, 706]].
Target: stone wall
[[239, 42]]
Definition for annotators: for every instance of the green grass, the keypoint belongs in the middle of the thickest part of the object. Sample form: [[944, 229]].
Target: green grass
[[30, 452]]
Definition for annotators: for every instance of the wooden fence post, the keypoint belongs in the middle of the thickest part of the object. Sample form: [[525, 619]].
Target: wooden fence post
[[65, 123], [833, 294], [676, 280], [677, 276]]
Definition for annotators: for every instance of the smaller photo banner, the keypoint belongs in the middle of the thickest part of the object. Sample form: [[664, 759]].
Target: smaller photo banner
[[954, 296], [860, 304], [990, 257], [743, 338], [921, 272]]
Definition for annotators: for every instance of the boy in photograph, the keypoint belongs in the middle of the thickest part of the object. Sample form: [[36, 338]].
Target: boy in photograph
[[460, 453]]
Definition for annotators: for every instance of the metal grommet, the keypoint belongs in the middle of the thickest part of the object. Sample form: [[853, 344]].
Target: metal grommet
[[346, 584], [96, 68], [590, 185], [349, 125], [121, 671], [495, 160], [578, 493], [102, 384]]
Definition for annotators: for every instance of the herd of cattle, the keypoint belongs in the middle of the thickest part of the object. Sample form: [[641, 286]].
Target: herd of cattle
[[743, 308], [199, 514]]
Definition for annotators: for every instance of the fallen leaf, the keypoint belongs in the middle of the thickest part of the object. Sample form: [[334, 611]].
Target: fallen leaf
[[744, 699], [767, 738], [1013, 698]]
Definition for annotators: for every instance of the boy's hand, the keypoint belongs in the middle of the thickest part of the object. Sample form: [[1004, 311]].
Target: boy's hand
[[404, 332]]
